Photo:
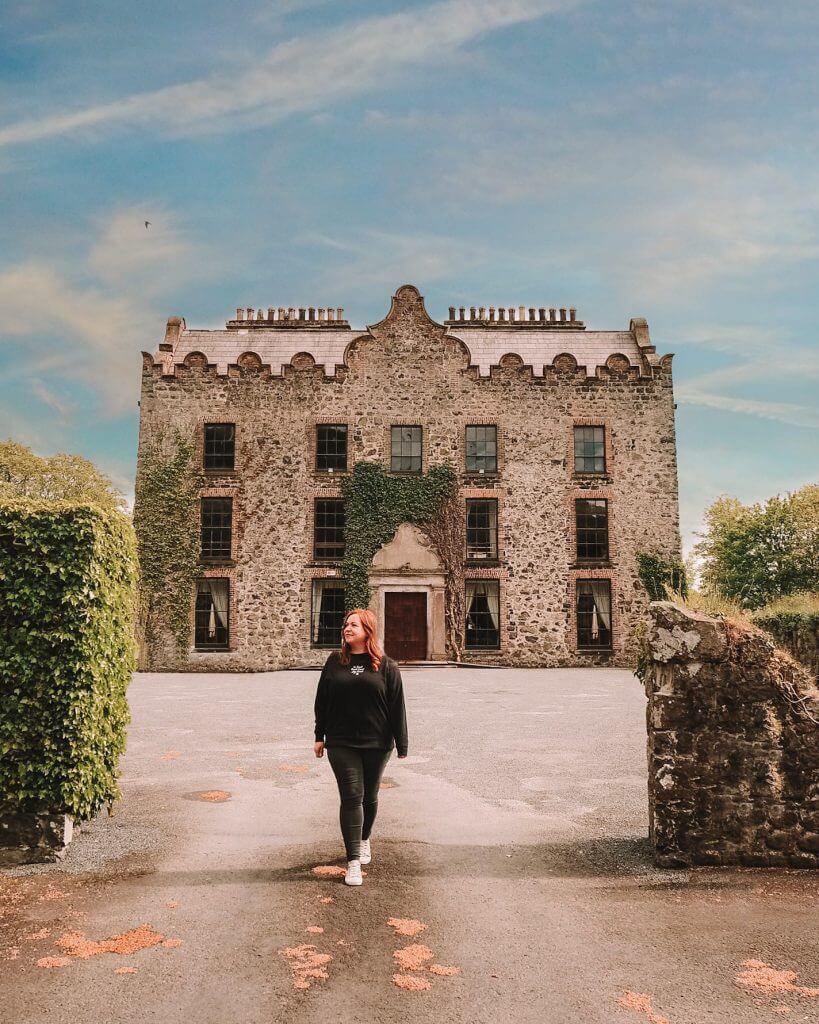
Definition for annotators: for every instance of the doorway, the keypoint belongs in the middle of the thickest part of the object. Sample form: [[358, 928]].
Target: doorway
[[405, 625]]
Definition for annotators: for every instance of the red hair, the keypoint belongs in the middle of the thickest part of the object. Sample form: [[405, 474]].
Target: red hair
[[371, 644]]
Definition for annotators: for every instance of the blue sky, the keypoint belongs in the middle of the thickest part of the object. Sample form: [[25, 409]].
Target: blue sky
[[653, 159]]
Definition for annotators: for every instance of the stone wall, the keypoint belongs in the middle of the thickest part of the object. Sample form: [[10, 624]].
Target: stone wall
[[409, 369], [733, 744]]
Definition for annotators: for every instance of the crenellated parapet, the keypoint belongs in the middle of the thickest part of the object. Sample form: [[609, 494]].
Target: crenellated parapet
[[545, 344]]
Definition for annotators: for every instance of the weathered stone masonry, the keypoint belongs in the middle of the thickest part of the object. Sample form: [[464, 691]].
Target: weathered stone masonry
[[535, 373], [733, 745]]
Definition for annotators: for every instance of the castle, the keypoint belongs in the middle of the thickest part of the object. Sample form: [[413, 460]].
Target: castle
[[562, 438]]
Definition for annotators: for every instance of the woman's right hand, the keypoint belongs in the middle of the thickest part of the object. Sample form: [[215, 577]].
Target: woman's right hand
[[318, 747]]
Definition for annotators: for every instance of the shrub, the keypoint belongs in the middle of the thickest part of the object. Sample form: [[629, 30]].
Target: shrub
[[67, 598]]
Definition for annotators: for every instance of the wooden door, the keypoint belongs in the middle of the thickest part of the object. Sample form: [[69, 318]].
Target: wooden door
[[405, 625]]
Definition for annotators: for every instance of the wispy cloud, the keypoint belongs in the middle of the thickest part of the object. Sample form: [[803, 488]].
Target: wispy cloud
[[784, 412], [300, 75], [104, 310]]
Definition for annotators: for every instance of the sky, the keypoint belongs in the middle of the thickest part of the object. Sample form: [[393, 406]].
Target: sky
[[634, 158]]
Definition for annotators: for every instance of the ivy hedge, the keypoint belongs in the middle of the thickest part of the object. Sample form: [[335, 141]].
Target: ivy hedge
[[67, 602], [658, 573], [166, 520], [375, 505]]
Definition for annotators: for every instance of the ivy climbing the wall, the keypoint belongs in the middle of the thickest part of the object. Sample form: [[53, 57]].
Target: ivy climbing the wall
[[657, 574], [165, 517], [376, 504]]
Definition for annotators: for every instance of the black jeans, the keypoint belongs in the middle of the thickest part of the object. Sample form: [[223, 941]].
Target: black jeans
[[358, 773]]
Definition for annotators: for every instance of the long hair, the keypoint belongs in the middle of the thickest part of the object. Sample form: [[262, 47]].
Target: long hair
[[371, 644]]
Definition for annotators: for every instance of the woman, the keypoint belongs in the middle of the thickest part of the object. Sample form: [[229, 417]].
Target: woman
[[359, 712]]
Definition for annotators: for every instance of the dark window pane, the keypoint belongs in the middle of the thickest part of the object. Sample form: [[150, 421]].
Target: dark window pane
[[406, 451], [482, 449], [589, 450], [217, 521], [481, 528], [212, 628], [594, 613], [220, 445], [592, 527], [482, 613], [331, 447], [328, 531], [328, 613]]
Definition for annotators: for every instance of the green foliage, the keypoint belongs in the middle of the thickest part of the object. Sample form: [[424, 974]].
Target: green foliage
[[662, 578], [375, 505], [165, 518], [58, 478], [790, 618], [67, 596], [754, 554]]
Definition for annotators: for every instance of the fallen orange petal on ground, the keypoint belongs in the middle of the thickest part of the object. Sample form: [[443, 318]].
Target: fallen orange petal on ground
[[406, 925], [213, 796], [642, 1003], [387, 785], [763, 978], [53, 961], [411, 984], [79, 945], [306, 963], [170, 755], [327, 899], [292, 767], [329, 869], [173, 904], [414, 957], [780, 1009], [52, 894], [43, 933], [125, 970], [315, 929], [444, 971], [172, 943]]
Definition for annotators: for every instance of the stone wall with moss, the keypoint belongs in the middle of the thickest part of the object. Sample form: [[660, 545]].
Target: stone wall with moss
[[733, 744]]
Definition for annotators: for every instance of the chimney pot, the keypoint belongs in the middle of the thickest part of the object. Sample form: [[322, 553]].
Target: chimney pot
[[339, 313], [552, 314], [511, 314], [451, 312], [311, 313], [502, 314], [531, 313], [240, 313], [331, 314], [572, 315], [521, 313], [541, 313], [282, 313], [562, 314], [461, 313], [492, 313]]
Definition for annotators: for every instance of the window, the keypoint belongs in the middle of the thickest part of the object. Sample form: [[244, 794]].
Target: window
[[482, 449], [331, 447], [406, 450], [328, 530], [482, 528], [328, 613], [594, 614], [220, 445], [590, 449], [217, 523], [212, 630], [592, 527], [482, 613]]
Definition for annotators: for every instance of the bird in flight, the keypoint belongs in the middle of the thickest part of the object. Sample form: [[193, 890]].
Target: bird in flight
[[147, 224]]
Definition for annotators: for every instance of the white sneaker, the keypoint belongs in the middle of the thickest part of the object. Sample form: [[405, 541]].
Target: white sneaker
[[366, 853], [353, 876]]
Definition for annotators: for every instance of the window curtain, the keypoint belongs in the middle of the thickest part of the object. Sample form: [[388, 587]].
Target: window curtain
[[601, 604], [318, 594], [490, 591], [220, 599]]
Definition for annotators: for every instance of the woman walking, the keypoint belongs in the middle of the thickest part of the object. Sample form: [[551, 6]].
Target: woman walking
[[359, 713]]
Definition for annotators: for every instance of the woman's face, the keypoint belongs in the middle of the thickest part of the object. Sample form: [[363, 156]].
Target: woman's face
[[353, 630]]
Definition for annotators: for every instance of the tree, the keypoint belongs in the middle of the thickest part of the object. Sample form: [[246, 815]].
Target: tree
[[58, 478], [754, 554]]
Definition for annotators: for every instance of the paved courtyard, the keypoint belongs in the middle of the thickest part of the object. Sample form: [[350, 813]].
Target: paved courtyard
[[516, 832]]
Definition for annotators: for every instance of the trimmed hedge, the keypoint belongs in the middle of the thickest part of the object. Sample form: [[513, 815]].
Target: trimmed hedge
[[67, 601]]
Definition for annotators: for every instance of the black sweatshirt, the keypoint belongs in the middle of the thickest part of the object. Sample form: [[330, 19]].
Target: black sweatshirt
[[361, 708]]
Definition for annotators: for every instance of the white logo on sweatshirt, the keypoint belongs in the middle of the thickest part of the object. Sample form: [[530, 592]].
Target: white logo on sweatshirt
[[356, 669]]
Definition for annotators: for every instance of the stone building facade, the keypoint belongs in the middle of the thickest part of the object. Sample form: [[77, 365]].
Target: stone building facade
[[564, 443]]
